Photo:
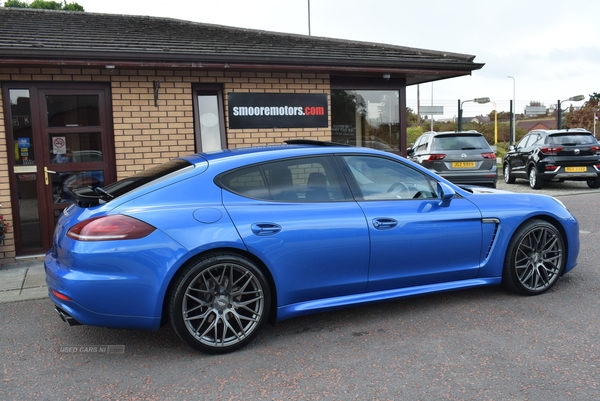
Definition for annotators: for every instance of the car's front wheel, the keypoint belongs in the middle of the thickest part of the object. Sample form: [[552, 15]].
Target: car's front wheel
[[508, 178], [535, 258], [534, 181], [220, 303]]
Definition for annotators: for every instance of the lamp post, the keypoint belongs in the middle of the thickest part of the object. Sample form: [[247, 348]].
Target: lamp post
[[308, 17], [514, 119], [495, 123], [559, 111], [480, 100]]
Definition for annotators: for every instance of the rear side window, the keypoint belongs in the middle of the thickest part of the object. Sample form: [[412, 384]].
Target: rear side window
[[571, 139], [422, 145], [311, 179], [460, 142]]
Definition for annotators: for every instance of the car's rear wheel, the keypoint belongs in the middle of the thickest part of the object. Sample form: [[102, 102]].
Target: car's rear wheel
[[220, 303], [535, 258], [508, 178], [534, 181], [594, 183]]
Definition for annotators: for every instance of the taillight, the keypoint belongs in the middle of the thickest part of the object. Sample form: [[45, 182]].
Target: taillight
[[488, 155], [110, 228], [595, 149], [550, 150], [434, 157]]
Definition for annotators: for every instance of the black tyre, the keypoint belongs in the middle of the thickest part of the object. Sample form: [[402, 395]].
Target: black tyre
[[534, 181], [535, 258], [508, 178], [219, 304], [594, 183]]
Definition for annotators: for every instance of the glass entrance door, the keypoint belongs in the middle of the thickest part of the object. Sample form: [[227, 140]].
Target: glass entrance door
[[60, 138]]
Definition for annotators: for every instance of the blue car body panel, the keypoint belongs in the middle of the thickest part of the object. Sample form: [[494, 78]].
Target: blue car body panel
[[319, 255], [429, 244], [319, 252]]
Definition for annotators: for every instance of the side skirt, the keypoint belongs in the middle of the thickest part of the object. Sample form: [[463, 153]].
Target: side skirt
[[347, 301]]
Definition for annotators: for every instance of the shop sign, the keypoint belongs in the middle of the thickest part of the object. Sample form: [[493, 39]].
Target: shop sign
[[277, 110]]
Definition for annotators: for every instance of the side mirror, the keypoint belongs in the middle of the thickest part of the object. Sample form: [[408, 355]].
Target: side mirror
[[512, 148], [410, 151], [445, 194]]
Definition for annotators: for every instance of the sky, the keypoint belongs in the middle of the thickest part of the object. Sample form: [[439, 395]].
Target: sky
[[551, 48]]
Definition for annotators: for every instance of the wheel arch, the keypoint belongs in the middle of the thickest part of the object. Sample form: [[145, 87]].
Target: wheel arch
[[551, 220], [531, 165], [215, 251]]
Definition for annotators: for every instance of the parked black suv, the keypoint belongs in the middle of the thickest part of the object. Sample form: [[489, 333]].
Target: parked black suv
[[554, 155], [462, 157]]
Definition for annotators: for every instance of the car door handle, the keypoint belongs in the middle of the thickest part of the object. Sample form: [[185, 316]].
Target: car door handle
[[384, 223], [263, 229]]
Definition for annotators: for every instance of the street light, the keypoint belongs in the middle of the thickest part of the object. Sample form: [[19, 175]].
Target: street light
[[514, 119], [480, 100], [559, 111], [495, 123]]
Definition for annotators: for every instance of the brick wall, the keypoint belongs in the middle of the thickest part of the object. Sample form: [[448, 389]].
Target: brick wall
[[146, 134]]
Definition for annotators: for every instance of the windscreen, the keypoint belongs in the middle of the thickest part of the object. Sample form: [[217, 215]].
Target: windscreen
[[152, 174], [460, 142], [571, 139]]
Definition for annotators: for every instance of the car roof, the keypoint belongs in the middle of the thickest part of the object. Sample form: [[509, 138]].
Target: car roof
[[440, 133], [561, 131], [257, 154]]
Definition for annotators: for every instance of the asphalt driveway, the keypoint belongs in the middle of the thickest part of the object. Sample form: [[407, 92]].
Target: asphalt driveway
[[479, 344]]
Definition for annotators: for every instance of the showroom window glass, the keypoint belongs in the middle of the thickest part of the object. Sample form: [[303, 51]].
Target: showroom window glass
[[368, 118]]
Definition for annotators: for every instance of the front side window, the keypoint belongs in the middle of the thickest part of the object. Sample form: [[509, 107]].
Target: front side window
[[367, 118], [311, 179], [383, 179]]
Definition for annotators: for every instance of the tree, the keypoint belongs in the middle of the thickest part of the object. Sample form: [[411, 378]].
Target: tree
[[411, 117], [44, 5], [583, 117], [16, 4], [502, 115]]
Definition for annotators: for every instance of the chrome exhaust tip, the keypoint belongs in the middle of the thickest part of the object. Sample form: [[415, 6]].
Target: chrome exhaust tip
[[66, 317]]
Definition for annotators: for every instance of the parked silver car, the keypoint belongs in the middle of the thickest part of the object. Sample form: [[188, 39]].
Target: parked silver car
[[462, 157]]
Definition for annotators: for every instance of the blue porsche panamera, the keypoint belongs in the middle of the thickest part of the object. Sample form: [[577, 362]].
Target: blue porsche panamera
[[217, 244]]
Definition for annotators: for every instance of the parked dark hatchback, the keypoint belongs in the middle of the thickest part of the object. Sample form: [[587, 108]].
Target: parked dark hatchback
[[462, 157], [554, 155]]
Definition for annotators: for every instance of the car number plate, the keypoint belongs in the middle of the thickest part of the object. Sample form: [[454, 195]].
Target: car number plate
[[463, 164], [575, 169]]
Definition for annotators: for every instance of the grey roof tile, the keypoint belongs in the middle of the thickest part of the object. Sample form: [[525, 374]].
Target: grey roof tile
[[26, 33]]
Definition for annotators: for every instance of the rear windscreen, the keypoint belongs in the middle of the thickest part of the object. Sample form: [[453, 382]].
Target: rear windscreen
[[571, 139], [152, 174], [460, 142]]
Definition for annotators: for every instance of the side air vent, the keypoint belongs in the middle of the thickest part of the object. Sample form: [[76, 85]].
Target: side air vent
[[493, 235]]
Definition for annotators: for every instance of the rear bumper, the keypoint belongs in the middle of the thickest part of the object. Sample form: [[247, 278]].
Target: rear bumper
[[569, 176], [112, 287]]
